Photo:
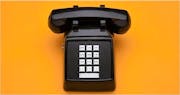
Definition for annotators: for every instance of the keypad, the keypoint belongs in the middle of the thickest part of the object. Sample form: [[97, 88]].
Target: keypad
[[81, 54], [81, 68], [81, 47], [96, 61], [81, 61], [88, 54], [89, 61]]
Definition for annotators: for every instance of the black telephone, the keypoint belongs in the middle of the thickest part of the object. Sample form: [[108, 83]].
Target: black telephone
[[89, 63]]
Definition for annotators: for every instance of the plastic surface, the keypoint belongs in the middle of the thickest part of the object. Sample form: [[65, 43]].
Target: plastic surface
[[88, 26], [118, 21]]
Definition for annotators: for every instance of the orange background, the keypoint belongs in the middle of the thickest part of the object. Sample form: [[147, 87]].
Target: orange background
[[146, 57]]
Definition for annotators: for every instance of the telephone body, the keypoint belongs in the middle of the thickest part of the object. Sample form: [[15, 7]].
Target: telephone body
[[89, 61]]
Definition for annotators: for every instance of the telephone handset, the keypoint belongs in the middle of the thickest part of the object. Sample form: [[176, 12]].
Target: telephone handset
[[89, 63]]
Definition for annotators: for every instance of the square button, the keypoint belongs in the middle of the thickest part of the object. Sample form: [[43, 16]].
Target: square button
[[88, 54], [88, 61], [89, 47], [88, 68], [81, 61], [96, 61], [96, 47], [81, 68], [82, 54], [96, 69], [81, 47], [96, 54]]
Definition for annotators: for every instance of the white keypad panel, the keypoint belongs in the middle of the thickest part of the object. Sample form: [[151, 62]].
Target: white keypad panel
[[81, 47], [96, 68], [88, 54], [96, 61], [88, 68], [81, 54], [88, 47], [89, 61], [96, 47], [81, 68], [96, 54], [81, 61]]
